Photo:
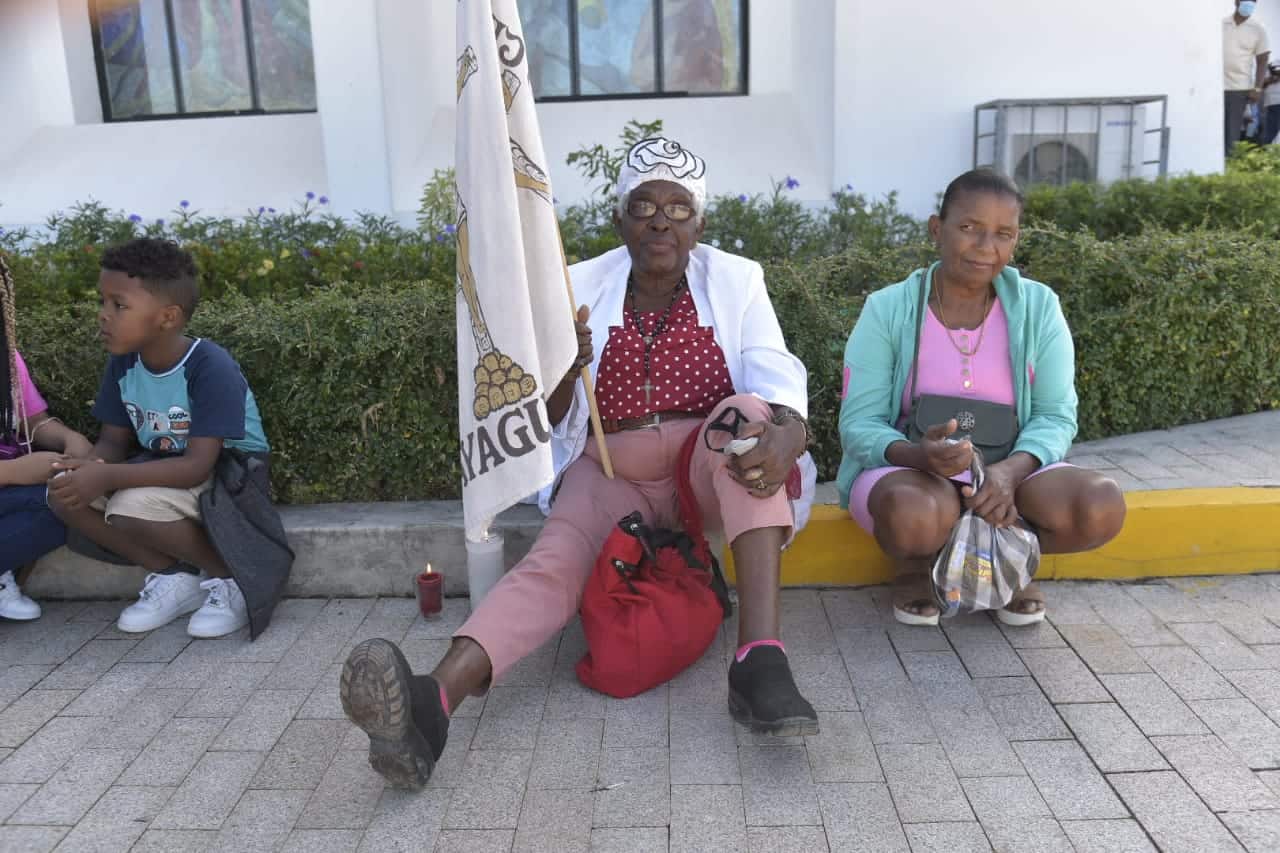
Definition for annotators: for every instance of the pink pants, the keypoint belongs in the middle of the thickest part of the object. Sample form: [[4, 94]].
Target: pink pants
[[540, 595]]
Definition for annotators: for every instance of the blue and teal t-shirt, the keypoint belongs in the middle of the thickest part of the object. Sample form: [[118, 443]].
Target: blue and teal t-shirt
[[203, 396]]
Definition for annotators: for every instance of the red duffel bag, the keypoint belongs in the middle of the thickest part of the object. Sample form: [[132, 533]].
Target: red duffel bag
[[654, 601]]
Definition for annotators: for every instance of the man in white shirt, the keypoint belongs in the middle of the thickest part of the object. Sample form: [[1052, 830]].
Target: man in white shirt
[[1244, 66]]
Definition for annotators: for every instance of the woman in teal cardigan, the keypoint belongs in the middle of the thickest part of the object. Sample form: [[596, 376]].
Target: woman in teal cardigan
[[988, 335]]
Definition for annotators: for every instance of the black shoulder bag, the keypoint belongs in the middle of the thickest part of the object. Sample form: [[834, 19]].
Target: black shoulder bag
[[991, 427]]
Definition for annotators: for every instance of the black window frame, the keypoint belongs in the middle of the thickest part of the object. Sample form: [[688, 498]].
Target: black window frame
[[175, 65], [575, 76]]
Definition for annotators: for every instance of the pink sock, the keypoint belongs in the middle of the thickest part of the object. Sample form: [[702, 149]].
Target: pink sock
[[742, 650], [444, 702]]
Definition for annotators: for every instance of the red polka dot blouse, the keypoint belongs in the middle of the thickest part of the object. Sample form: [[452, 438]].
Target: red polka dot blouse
[[687, 369]]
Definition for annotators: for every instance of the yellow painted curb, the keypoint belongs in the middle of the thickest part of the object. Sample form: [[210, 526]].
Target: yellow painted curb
[[1169, 532]]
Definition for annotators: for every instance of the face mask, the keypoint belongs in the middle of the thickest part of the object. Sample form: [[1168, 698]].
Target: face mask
[[1247, 8]]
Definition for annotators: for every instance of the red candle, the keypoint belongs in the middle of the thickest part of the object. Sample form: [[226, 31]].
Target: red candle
[[430, 592]]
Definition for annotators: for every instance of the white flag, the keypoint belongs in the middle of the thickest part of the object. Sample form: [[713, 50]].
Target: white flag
[[515, 324]]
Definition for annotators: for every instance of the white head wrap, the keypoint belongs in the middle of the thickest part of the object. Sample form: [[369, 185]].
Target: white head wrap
[[662, 159]]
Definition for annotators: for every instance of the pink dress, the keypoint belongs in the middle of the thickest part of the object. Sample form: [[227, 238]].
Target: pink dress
[[32, 402], [986, 375]]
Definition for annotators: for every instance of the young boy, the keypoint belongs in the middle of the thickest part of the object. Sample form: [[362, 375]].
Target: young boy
[[184, 399]]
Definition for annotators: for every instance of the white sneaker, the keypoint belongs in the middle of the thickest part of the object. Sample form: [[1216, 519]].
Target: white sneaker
[[224, 610], [163, 599], [13, 604]]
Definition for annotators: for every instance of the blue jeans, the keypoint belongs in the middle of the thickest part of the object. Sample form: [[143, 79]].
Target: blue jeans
[[28, 528], [1270, 125]]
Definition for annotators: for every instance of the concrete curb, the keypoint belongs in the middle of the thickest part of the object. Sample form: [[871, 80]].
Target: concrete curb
[[353, 550], [343, 550], [1166, 532]]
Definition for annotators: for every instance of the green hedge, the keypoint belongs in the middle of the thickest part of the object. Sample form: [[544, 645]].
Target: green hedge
[[1236, 200], [1170, 328], [358, 387]]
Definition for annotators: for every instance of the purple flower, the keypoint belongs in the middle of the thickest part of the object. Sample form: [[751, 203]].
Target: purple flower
[[792, 183], [441, 237], [160, 222], [184, 203], [306, 253], [450, 228], [743, 198], [133, 217], [271, 210], [848, 187], [310, 195], [324, 199], [262, 210]]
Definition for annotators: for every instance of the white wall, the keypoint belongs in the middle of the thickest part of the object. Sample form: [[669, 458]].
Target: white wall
[[34, 91], [419, 93], [222, 166], [904, 111], [55, 150], [841, 91], [774, 132]]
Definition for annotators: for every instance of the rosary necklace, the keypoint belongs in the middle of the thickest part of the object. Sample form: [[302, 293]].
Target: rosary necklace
[[648, 336]]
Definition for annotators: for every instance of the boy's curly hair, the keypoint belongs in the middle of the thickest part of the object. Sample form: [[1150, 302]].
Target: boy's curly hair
[[163, 267]]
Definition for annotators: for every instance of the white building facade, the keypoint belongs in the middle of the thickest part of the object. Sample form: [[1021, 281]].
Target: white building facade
[[868, 93]]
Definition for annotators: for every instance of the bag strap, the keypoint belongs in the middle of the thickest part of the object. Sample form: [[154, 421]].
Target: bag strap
[[690, 517], [977, 470], [691, 521], [926, 280]]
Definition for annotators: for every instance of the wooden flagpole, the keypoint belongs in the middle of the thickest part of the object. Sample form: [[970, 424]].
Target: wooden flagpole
[[585, 374]]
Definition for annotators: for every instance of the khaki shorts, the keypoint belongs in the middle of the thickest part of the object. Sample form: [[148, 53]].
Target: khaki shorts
[[154, 503]]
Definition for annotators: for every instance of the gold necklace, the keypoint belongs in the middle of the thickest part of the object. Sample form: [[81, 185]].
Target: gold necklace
[[982, 327]]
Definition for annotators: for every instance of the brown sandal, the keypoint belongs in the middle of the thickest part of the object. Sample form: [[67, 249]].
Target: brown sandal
[[914, 590], [1016, 618]]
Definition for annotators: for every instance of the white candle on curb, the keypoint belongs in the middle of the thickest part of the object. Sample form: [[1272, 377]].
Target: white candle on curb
[[485, 566]]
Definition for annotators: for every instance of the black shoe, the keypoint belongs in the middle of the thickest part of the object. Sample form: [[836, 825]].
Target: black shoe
[[764, 698], [401, 713]]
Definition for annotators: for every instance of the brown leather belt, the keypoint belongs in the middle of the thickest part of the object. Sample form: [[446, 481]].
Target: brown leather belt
[[612, 425]]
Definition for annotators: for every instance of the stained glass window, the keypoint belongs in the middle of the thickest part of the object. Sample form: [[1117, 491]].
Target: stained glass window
[[621, 48], [166, 58]]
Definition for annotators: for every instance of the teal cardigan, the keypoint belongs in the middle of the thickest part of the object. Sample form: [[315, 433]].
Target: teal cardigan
[[878, 364]]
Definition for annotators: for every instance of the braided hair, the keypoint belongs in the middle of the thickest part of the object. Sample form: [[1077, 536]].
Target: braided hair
[[13, 421]]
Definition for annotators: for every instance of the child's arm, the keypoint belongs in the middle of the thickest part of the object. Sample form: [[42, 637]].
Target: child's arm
[[113, 444], [49, 433], [30, 470], [81, 482]]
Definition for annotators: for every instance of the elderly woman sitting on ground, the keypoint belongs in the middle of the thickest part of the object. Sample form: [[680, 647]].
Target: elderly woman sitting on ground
[[676, 334], [966, 351]]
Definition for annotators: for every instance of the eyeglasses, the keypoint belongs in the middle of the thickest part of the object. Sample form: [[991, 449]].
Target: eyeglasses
[[640, 208]]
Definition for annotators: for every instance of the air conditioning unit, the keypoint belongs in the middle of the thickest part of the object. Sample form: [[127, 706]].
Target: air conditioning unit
[[1059, 144]]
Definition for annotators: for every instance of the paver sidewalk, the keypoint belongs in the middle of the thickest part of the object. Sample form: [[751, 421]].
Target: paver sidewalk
[[1239, 451], [1146, 716]]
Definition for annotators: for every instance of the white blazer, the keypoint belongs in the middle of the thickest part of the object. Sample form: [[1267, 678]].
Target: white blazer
[[730, 296]]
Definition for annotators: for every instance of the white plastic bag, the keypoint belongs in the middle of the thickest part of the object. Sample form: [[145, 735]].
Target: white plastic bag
[[982, 567]]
